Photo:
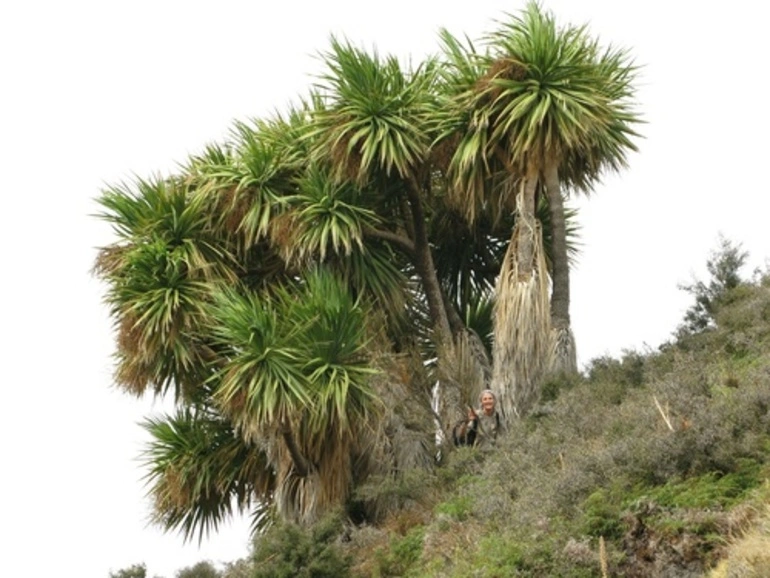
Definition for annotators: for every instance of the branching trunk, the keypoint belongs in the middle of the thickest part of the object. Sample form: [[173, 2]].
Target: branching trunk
[[405, 244]]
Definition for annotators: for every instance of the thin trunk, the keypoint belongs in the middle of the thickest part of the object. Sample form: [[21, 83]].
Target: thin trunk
[[525, 207], [560, 274], [302, 465], [407, 215], [448, 388], [456, 322], [562, 355], [427, 270]]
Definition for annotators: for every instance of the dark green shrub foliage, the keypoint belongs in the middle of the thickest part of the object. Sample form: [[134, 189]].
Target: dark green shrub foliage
[[289, 551], [724, 265], [402, 553], [204, 569], [135, 571]]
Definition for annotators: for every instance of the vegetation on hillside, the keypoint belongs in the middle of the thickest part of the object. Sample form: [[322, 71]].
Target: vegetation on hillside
[[656, 463]]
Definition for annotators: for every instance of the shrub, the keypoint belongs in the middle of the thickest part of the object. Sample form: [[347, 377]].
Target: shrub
[[288, 551], [401, 554], [204, 569], [135, 571], [628, 371], [458, 508], [387, 494], [602, 515]]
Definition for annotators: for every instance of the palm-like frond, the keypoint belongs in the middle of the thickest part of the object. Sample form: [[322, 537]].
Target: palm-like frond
[[334, 340], [290, 351], [261, 381], [377, 275], [375, 114], [557, 94], [328, 217], [162, 210], [263, 175], [461, 126], [199, 470], [244, 183], [479, 317], [159, 279], [206, 171], [467, 257], [462, 65], [159, 311], [289, 131]]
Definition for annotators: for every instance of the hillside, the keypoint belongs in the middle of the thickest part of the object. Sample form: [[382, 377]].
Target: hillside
[[653, 464]]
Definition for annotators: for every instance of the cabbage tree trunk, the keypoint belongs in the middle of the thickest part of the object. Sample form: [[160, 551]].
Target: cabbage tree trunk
[[562, 355], [521, 318]]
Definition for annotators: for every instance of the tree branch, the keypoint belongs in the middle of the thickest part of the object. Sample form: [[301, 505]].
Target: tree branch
[[403, 243]]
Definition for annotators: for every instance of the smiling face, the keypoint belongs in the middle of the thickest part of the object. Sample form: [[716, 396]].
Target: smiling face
[[488, 403]]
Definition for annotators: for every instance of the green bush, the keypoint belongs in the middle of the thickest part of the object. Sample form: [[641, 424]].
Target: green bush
[[628, 371], [458, 508], [402, 553], [134, 571], [602, 515], [204, 569], [289, 551]]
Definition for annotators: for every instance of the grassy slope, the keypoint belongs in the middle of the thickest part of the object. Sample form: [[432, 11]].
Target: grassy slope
[[655, 464]]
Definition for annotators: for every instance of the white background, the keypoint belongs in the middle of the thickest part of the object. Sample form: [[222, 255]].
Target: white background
[[94, 93]]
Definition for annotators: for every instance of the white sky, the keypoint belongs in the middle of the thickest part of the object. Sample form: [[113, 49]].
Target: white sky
[[92, 93]]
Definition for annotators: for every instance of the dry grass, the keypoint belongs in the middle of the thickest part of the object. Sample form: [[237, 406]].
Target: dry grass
[[364, 543], [749, 555], [603, 558], [448, 541]]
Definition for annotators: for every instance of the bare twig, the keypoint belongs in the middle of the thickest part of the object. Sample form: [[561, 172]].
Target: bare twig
[[663, 413]]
